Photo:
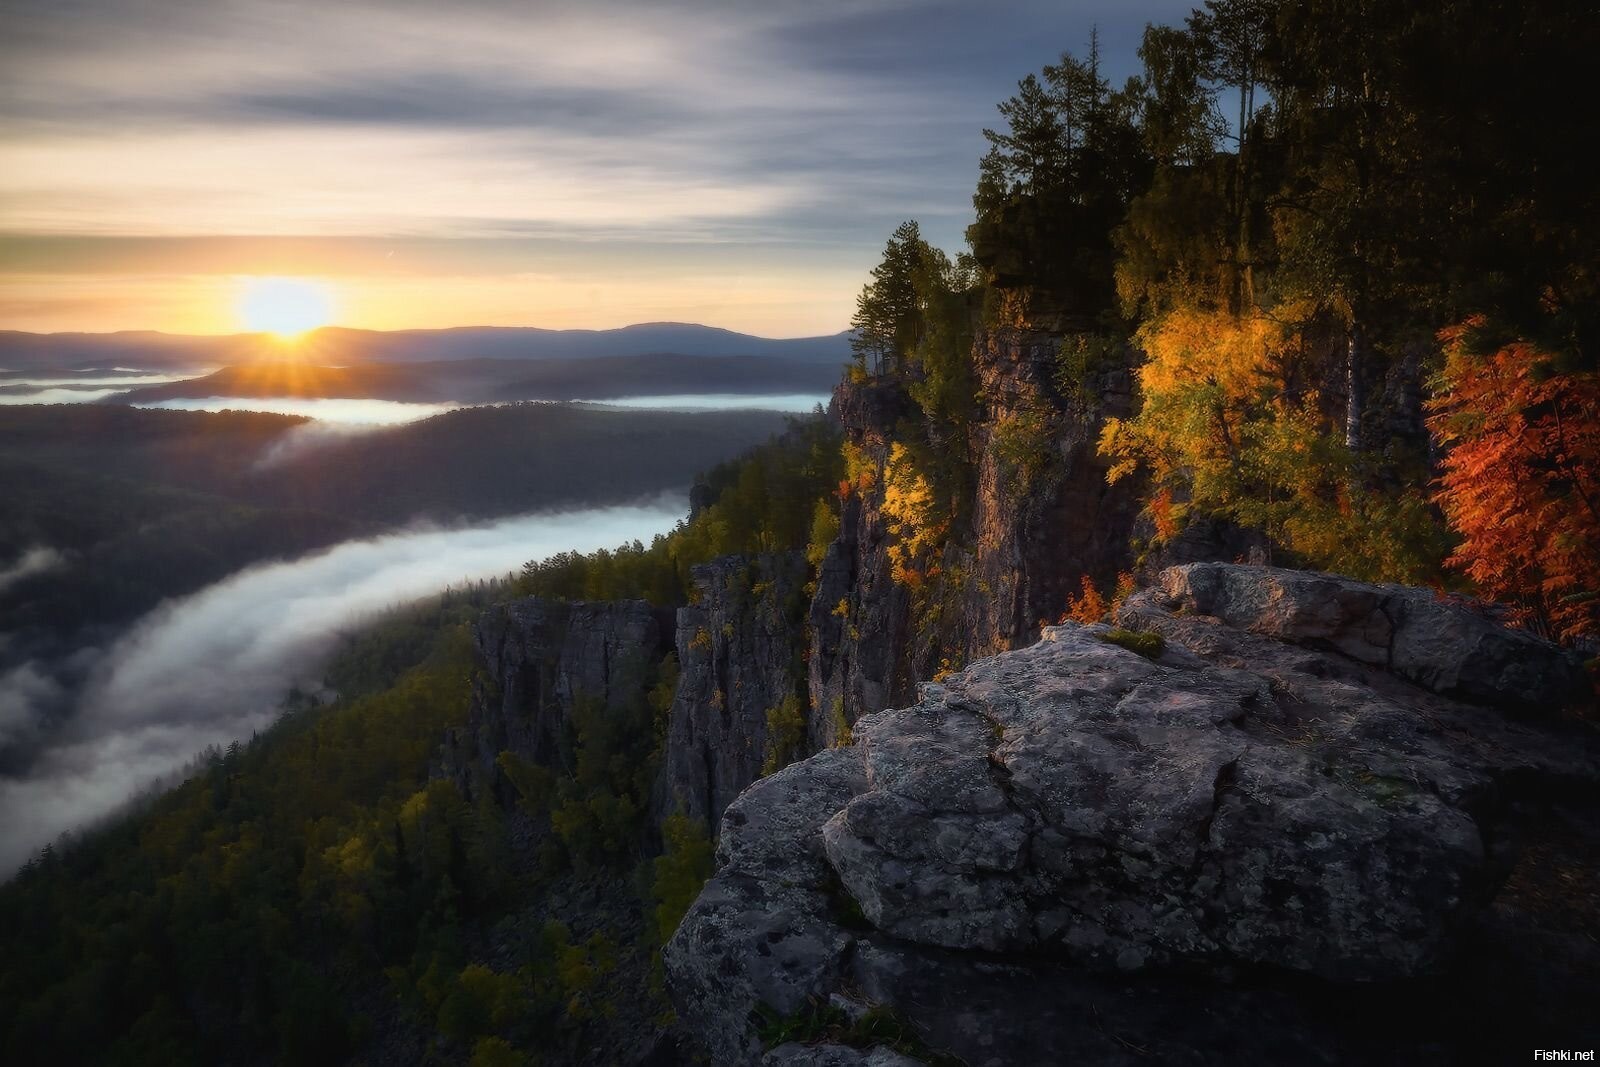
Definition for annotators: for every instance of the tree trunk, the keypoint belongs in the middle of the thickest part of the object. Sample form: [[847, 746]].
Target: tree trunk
[[1355, 386], [1246, 280]]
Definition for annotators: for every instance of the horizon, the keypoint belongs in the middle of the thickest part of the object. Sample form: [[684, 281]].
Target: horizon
[[230, 334], [577, 166]]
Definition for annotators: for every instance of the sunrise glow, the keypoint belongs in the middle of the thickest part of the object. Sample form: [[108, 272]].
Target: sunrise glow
[[287, 307]]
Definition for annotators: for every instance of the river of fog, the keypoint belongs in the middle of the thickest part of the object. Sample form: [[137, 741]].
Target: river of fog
[[84, 388], [350, 412], [361, 412], [212, 667], [718, 402]]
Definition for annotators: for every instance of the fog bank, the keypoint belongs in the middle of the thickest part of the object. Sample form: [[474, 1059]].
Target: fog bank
[[799, 402], [351, 411], [212, 667]]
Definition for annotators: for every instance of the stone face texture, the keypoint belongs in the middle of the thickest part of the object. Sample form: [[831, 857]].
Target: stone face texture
[[1417, 635], [737, 660], [539, 657], [1072, 821], [1031, 543]]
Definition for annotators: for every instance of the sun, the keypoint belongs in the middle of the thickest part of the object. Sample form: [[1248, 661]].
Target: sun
[[287, 307]]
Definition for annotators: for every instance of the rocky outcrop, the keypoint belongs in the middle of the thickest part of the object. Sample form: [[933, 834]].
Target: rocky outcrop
[[860, 629], [1039, 520], [1039, 528], [1413, 633], [739, 702], [1254, 837], [539, 658]]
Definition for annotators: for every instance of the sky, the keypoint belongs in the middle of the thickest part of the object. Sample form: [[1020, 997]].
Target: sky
[[482, 162]]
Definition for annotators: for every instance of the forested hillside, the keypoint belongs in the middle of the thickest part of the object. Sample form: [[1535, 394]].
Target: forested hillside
[[138, 505], [186, 929], [1345, 254]]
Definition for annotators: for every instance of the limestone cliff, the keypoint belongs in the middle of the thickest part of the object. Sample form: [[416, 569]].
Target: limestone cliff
[[739, 703], [1041, 517], [1278, 816], [539, 657]]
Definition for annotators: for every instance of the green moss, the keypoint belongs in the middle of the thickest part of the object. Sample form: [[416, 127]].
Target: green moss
[[819, 1021], [786, 734], [1148, 645], [1382, 789], [842, 734]]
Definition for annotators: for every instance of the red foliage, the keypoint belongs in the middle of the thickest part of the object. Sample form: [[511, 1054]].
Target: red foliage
[[1161, 515], [1087, 606], [1521, 481]]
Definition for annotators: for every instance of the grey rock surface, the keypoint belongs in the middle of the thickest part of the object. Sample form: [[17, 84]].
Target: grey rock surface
[[1417, 635], [737, 662], [540, 657], [1262, 822]]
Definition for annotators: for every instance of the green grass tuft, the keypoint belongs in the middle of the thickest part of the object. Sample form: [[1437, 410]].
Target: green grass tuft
[[1148, 645]]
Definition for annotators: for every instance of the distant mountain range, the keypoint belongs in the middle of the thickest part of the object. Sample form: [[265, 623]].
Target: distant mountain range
[[341, 346], [476, 381]]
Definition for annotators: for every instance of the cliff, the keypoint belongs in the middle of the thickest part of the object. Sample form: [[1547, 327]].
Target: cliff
[[1276, 815], [1038, 519], [539, 658], [738, 706]]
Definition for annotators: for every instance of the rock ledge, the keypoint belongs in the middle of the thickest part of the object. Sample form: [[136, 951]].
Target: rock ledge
[[1072, 850]]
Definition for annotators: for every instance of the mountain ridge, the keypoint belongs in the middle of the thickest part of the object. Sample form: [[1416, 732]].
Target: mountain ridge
[[21, 350]]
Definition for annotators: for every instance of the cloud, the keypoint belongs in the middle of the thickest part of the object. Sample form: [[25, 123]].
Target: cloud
[[27, 694], [81, 382], [212, 667], [797, 402], [36, 560], [615, 134]]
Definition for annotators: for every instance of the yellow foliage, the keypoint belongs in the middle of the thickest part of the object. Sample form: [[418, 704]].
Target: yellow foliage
[[1218, 431], [909, 506], [860, 470], [1189, 347]]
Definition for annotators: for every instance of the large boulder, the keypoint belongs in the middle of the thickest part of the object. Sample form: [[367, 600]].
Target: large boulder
[[1082, 851], [1425, 638]]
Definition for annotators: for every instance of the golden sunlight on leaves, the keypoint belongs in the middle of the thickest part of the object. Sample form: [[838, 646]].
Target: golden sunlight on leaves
[[286, 307]]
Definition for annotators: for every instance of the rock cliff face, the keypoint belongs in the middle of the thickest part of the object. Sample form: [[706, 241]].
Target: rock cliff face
[[1038, 523], [1306, 822], [1036, 533], [860, 629], [539, 657], [741, 688]]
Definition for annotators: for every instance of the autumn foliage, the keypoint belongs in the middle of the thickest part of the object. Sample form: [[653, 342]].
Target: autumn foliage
[[1087, 606], [1521, 482]]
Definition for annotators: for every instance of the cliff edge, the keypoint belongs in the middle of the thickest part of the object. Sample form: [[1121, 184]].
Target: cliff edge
[[1270, 814]]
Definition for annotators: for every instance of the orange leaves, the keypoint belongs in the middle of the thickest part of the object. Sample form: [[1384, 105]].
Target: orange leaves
[[1090, 606], [1521, 482], [1161, 514], [1087, 606]]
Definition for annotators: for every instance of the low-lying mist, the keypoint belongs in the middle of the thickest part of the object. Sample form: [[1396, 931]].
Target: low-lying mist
[[214, 666], [358, 412], [795, 402]]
